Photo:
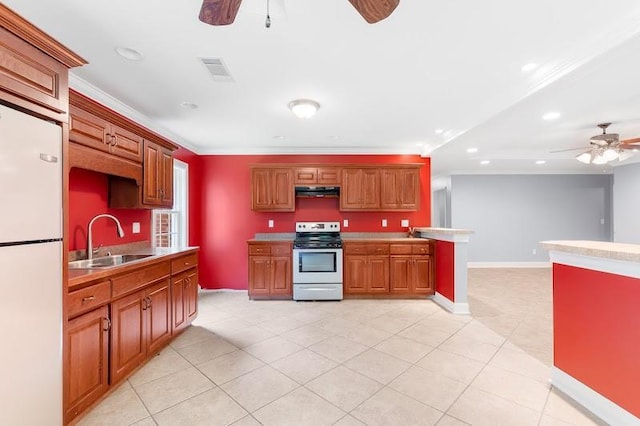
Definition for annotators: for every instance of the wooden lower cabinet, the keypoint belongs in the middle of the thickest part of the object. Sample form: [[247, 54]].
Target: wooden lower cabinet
[[366, 274], [184, 287], [270, 270], [87, 378], [141, 324], [411, 275]]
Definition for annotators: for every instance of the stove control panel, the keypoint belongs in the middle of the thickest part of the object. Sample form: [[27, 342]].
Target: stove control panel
[[317, 227]]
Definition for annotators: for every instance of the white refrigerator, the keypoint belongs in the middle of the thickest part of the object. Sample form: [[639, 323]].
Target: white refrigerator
[[30, 270]]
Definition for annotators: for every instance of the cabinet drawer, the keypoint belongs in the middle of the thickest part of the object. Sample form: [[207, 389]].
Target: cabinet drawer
[[401, 248], [422, 248], [183, 263], [366, 248], [280, 249], [329, 175], [140, 278], [88, 298], [259, 249]]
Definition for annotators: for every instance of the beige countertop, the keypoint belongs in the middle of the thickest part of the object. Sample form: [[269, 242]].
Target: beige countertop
[[81, 276], [445, 231], [602, 249]]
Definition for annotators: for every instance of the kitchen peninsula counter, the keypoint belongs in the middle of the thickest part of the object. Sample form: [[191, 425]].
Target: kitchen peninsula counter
[[596, 326]]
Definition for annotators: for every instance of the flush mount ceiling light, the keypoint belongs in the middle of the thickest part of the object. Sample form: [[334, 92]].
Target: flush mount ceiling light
[[541, 162], [472, 150], [485, 162], [304, 108], [188, 105], [529, 67], [439, 131], [128, 53]]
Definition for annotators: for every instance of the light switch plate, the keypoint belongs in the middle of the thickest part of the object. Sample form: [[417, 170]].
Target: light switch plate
[[384, 223], [345, 223], [404, 223], [135, 228], [270, 223]]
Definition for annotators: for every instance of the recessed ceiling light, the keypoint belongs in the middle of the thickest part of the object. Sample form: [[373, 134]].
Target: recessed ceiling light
[[188, 105], [485, 162], [128, 53], [334, 137], [472, 150], [278, 137], [541, 162], [419, 144], [529, 67], [551, 115], [439, 131]]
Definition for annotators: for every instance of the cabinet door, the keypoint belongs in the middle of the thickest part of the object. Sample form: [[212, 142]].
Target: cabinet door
[[282, 194], [305, 175], [151, 178], [191, 295], [128, 347], [89, 130], [259, 275], [280, 268], [355, 274], [328, 176], [87, 363], [408, 189], [260, 189], [388, 189], [178, 287], [158, 315], [126, 144], [166, 177], [378, 274], [371, 189], [351, 193], [423, 275], [400, 275]]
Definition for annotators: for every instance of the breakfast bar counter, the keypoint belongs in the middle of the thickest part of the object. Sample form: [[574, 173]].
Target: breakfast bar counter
[[596, 326]]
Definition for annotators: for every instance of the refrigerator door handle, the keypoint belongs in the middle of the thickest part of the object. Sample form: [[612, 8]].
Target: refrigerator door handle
[[48, 158]]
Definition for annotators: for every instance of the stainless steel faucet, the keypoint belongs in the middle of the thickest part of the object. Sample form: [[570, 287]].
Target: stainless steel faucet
[[90, 232]]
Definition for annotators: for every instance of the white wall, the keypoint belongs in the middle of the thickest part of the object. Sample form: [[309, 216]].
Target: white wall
[[626, 204], [511, 214]]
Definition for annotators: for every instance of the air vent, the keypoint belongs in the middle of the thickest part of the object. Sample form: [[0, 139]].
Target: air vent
[[217, 69]]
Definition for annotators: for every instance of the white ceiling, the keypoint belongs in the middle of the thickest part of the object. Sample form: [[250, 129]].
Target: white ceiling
[[383, 88]]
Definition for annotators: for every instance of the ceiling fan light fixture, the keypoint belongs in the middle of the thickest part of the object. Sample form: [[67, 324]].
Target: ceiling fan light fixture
[[304, 108], [585, 157], [610, 154], [599, 159]]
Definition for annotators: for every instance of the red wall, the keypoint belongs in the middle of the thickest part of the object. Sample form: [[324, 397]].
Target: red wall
[[88, 196], [445, 269], [596, 336], [220, 216], [228, 222]]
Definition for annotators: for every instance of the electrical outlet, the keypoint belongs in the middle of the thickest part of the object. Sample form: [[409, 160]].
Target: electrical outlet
[[384, 223], [135, 228], [345, 223], [270, 223], [404, 223], [534, 251]]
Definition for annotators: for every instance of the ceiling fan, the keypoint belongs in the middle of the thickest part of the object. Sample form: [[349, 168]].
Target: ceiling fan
[[223, 12], [605, 147]]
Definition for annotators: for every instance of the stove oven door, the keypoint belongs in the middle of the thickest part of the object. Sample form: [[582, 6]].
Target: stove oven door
[[318, 265]]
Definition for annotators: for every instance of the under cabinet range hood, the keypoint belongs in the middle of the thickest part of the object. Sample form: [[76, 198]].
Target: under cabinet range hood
[[317, 191]]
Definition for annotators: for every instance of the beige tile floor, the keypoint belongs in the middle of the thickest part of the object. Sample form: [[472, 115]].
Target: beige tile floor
[[356, 362]]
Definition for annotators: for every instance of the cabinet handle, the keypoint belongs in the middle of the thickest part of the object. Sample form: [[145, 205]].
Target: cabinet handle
[[144, 304], [150, 302], [186, 263], [107, 326], [114, 140], [88, 299]]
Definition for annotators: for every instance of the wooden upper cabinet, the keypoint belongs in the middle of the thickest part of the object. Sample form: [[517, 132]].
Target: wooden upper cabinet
[[317, 175], [34, 67], [400, 188], [272, 189], [157, 173], [360, 189], [94, 132]]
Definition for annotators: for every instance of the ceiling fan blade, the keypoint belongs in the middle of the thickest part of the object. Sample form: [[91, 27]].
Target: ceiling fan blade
[[569, 149], [375, 10], [630, 144], [219, 12]]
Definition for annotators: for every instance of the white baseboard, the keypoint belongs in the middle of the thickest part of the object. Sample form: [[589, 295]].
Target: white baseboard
[[602, 407], [454, 308], [508, 264]]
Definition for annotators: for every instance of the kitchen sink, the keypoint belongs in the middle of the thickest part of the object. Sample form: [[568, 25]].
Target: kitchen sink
[[106, 261]]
